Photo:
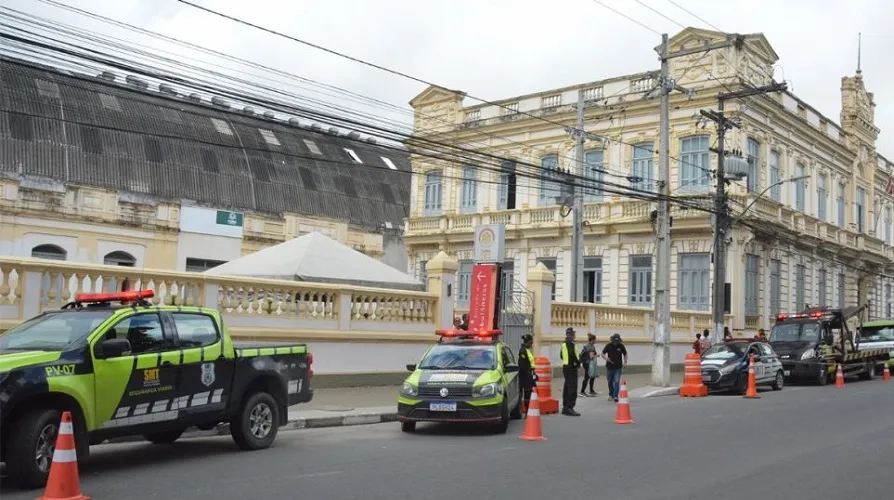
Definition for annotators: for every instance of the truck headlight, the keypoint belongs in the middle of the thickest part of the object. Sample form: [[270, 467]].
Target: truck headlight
[[808, 354], [726, 370], [408, 389], [485, 390]]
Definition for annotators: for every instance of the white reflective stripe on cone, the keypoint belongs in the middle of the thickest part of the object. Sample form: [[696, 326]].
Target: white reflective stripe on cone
[[66, 428], [63, 456], [622, 401], [533, 412]]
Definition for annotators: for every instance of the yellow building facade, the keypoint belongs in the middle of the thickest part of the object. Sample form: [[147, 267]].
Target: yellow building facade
[[823, 240]]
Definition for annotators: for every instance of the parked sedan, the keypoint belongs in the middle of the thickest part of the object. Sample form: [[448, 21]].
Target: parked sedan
[[725, 366]]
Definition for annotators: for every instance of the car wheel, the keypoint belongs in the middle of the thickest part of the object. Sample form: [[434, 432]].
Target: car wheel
[[503, 425], [516, 413], [256, 425], [32, 443], [779, 382], [742, 384], [408, 426], [166, 437]]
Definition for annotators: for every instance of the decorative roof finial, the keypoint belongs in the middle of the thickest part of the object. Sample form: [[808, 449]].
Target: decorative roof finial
[[859, 52]]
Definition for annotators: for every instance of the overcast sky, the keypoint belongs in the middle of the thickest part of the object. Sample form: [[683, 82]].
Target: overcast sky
[[500, 48]]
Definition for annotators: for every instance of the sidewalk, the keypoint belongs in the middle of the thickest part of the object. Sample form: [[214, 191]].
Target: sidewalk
[[373, 405]]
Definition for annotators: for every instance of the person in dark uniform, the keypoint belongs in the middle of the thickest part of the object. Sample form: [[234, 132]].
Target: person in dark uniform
[[526, 376], [570, 364]]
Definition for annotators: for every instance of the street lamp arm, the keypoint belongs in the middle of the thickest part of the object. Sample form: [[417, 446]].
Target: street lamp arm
[[762, 193]]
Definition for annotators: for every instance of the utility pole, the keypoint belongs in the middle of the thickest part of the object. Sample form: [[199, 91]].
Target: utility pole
[[723, 222], [662, 330], [577, 216]]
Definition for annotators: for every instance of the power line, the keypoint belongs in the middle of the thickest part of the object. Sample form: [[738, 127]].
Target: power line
[[660, 14], [628, 17], [684, 9]]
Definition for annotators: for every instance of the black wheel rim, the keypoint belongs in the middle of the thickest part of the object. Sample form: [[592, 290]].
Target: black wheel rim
[[45, 447]]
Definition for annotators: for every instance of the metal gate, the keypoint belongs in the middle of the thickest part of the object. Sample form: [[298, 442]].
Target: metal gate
[[516, 315]]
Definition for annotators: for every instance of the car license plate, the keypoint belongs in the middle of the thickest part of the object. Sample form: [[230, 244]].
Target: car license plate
[[706, 378], [442, 406], [787, 373]]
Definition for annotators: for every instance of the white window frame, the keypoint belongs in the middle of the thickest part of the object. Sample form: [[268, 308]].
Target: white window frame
[[754, 155], [695, 163], [353, 155], [752, 285], [594, 160], [775, 176], [639, 284], [643, 166], [221, 126], [312, 146], [694, 281], [388, 163], [593, 274], [269, 137], [468, 200], [821, 197], [433, 198]]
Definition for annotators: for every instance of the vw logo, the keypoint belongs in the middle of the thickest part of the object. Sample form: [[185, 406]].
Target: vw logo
[[444, 392]]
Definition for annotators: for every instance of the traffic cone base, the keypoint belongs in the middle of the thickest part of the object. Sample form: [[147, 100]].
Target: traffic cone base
[[533, 427], [623, 416], [751, 390], [839, 377], [63, 482], [887, 374]]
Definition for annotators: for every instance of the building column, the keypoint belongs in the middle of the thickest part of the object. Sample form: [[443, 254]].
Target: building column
[[441, 272], [735, 276], [540, 284]]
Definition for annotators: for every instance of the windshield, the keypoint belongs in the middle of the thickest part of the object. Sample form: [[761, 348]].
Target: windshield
[[795, 332], [877, 334], [723, 351], [52, 331], [459, 357]]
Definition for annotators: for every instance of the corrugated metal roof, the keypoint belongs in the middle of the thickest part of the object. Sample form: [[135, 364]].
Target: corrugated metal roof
[[88, 131]]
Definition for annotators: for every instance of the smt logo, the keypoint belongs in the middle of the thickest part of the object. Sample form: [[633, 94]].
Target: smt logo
[[151, 377], [208, 374]]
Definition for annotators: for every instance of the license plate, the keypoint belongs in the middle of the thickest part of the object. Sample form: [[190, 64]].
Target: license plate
[[441, 406], [787, 373], [706, 378]]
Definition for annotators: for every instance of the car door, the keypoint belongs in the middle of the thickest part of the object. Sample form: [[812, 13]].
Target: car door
[[510, 380], [205, 374], [772, 363], [138, 387], [759, 367]]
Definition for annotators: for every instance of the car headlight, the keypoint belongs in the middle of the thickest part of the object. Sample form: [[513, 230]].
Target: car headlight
[[808, 354], [408, 389], [485, 390], [726, 370]]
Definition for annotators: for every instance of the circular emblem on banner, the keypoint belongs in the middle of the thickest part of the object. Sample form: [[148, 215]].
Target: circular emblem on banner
[[444, 392], [487, 237]]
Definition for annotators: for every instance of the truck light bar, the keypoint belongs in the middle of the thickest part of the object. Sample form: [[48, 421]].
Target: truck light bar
[[129, 296], [784, 316], [480, 335]]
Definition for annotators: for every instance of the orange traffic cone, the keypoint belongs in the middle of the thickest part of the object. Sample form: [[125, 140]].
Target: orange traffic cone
[[751, 391], [839, 377], [622, 416], [63, 483], [887, 376], [533, 428]]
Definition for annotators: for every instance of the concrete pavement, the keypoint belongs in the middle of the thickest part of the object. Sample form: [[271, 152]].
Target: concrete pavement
[[802, 442]]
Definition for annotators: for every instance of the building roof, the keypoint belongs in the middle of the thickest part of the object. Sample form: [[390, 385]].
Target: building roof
[[117, 133], [316, 257]]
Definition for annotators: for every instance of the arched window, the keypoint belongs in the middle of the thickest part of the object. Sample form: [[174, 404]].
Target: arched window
[[51, 252], [119, 258]]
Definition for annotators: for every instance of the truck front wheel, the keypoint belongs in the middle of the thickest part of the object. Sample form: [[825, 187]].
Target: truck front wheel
[[256, 425], [32, 443]]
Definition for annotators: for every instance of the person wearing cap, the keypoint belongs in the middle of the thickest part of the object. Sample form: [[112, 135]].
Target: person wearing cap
[[570, 364], [615, 355], [526, 376]]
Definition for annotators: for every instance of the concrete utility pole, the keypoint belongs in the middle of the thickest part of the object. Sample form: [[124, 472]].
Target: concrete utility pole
[[723, 222], [577, 216], [662, 330]]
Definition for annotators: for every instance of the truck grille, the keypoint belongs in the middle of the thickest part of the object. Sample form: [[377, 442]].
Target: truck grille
[[434, 391]]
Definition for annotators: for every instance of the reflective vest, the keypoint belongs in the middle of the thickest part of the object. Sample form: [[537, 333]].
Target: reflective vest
[[528, 354], [566, 356]]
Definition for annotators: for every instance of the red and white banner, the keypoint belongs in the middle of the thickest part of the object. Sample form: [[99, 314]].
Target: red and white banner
[[483, 297]]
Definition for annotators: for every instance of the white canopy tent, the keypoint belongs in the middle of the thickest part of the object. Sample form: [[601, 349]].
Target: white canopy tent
[[317, 258]]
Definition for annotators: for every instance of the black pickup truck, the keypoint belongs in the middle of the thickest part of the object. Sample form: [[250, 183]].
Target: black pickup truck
[[123, 366]]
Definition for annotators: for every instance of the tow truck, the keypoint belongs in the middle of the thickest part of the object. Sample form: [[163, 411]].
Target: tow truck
[[123, 366], [812, 343]]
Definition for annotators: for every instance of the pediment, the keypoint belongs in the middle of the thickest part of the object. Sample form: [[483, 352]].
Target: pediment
[[691, 38], [434, 94]]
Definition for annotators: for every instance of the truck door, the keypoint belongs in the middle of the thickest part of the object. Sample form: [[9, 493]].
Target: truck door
[[205, 374], [137, 387]]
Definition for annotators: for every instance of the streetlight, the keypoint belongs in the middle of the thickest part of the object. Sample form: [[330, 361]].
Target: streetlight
[[762, 193]]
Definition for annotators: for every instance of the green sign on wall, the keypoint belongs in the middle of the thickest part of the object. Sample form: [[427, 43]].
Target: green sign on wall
[[225, 218]]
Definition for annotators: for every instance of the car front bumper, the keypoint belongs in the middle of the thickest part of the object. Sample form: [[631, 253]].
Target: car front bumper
[[419, 411], [718, 382]]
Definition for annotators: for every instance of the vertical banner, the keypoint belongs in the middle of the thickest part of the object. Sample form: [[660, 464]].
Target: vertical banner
[[483, 297]]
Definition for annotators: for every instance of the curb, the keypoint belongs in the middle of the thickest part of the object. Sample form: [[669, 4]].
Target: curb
[[293, 424], [655, 392]]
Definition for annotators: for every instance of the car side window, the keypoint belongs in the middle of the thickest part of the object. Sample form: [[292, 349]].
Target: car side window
[[143, 331], [508, 357], [195, 330], [766, 350]]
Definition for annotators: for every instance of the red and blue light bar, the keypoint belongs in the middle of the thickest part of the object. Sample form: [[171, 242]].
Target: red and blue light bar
[[480, 335], [128, 296], [785, 316]]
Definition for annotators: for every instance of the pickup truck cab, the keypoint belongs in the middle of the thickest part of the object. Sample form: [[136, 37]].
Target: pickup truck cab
[[134, 368]]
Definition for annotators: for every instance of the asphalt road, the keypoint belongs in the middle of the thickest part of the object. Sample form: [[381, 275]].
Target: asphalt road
[[801, 443]]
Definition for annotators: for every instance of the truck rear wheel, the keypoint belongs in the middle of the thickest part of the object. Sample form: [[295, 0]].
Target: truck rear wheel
[[256, 425], [31, 446], [868, 371]]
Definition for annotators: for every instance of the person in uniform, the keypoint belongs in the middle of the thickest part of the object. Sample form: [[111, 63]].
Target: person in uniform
[[570, 364], [526, 376]]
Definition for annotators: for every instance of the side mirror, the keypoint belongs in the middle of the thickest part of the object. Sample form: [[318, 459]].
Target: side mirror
[[111, 348], [411, 367], [510, 368]]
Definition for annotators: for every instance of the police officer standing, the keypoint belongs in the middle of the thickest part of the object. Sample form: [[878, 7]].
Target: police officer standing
[[526, 376], [570, 364]]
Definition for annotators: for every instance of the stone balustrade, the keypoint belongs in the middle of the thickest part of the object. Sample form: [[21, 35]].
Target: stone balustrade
[[253, 308], [634, 323]]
